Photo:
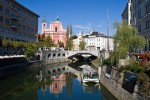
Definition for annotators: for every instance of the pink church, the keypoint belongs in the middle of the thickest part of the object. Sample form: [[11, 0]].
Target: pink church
[[55, 31]]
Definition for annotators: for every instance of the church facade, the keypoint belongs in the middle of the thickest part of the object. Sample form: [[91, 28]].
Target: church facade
[[55, 30]]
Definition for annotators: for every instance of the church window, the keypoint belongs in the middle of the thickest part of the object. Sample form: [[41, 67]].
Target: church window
[[55, 29]]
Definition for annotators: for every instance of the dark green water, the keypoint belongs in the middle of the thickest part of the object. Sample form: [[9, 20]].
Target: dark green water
[[47, 84]]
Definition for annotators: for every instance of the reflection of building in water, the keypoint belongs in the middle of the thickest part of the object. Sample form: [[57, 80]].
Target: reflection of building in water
[[58, 83], [91, 87], [89, 74]]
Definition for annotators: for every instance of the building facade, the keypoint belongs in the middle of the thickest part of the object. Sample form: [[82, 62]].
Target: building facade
[[17, 22], [94, 41], [77, 40], [139, 12], [98, 41], [55, 31]]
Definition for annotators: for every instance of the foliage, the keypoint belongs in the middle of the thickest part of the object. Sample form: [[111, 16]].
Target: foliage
[[7, 43], [69, 43], [134, 67], [45, 41], [112, 60], [143, 78], [145, 58], [60, 44], [82, 45], [48, 42], [30, 50], [127, 38], [69, 40], [97, 62]]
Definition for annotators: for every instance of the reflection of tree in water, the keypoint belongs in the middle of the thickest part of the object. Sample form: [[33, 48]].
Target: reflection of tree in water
[[22, 86], [69, 83]]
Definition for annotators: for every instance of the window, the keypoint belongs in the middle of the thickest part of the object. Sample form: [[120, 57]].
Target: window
[[55, 29], [139, 1], [23, 27], [139, 14], [147, 23], [7, 11], [147, 8], [1, 8], [139, 28], [7, 21], [7, 1], [1, 18]]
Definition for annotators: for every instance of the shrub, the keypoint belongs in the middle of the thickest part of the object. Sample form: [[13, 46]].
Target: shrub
[[143, 78]]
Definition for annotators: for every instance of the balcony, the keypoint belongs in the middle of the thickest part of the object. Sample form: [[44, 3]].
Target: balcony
[[14, 17], [15, 26]]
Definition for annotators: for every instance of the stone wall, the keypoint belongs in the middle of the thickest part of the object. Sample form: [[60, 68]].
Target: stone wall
[[114, 85], [58, 60]]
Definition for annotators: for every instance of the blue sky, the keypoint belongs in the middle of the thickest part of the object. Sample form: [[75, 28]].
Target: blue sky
[[84, 15]]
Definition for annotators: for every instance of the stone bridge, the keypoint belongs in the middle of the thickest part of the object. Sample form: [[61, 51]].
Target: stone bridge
[[73, 53], [48, 54]]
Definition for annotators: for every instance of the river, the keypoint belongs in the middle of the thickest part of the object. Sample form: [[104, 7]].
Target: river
[[59, 81]]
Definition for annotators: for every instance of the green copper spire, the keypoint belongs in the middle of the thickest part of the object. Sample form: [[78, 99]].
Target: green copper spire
[[44, 19], [57, 19]]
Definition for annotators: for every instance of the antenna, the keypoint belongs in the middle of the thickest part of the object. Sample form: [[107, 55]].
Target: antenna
[[107, 31]]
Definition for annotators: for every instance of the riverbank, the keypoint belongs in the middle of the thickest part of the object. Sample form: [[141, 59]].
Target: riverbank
[[115, 87]]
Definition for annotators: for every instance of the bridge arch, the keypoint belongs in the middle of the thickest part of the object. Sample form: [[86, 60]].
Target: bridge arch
[[58, 55], [49, 56], [54, 55], [77, 53], [63, 55]]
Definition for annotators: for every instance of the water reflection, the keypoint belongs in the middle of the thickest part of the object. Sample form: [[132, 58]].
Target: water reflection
[[57, 81]]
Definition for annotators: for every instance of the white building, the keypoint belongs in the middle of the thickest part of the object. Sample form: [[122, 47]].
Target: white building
[[76, 41], [94, 41], [97, 41]]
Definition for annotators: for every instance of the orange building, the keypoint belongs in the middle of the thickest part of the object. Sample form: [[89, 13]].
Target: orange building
[[55, 31]]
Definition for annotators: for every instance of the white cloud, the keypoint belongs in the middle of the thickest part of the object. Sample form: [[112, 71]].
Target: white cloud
[[81, 27], [99, 25]]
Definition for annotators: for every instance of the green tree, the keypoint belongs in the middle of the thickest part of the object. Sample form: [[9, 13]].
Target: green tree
[[70, 43], [15, 44], [69, 40], [61, 44], [67, 37], [70, 30], [48, 41], [7, 43], [30, 50], [82, 45], [127, 37], [41, 37]]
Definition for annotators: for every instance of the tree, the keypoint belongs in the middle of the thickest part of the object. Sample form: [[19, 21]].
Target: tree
[[82, 45], [61, 44], [48, 41], [41, 37], [69, 40], [7, 43], [127, 37], [70, 30], [30, 50], [70, 43], [67, 37]]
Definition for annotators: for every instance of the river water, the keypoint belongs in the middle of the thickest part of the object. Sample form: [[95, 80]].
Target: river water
[[60, 81]]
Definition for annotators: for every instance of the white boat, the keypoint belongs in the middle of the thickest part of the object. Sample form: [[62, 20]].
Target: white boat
[[89, 75]]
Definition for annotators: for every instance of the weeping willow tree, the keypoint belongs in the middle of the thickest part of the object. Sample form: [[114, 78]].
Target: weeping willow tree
[[127, 39]]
